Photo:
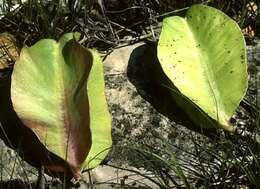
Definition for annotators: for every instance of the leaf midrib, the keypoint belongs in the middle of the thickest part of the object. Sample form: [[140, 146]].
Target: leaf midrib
[[210, 77], [62, 100]]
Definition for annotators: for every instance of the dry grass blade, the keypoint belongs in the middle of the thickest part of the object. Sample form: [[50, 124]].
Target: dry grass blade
[[8, 50]]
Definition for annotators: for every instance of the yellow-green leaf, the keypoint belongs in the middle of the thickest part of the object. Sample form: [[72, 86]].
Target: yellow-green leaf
[[58, 91], [204, 55]]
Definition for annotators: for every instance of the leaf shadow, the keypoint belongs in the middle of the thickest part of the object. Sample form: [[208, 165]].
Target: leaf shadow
[[20, 138], [145, 73]]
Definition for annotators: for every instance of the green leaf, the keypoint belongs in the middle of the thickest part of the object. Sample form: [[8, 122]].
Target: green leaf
[[58, 91], [100, 117], [204, 55]]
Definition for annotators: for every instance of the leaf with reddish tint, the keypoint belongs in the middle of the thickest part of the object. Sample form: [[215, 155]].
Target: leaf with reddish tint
[[58, 92]]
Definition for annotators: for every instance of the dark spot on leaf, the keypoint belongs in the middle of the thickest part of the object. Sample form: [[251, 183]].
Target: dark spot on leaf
[[190, 16], [198, 45], [231, 71], [242, 56], [175, 52], [179, 60], [228, 52], [197, 27]]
